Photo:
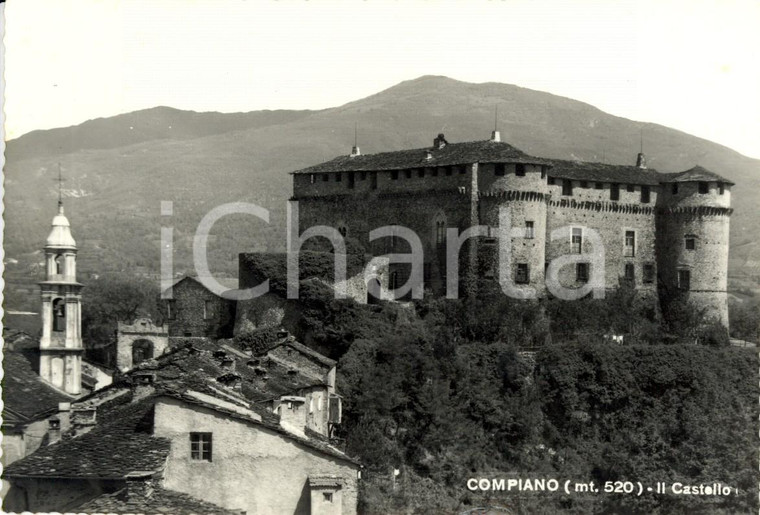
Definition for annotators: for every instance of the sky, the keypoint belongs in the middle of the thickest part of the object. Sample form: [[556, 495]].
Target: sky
[[691, 65]]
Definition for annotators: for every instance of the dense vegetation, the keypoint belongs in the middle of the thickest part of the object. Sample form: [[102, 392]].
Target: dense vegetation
[[439, 392]]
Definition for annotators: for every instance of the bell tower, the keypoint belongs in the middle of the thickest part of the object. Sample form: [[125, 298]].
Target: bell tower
[[61, 342]]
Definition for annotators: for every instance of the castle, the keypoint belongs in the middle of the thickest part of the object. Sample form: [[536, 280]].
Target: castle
[[665, 234]]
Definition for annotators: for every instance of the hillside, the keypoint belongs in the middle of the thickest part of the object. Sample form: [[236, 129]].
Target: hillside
[[119, 169]]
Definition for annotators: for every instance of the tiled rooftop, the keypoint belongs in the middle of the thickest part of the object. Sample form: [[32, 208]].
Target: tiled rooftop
[[160, 500]]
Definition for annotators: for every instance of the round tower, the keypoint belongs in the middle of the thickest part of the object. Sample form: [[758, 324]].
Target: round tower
[[694, 209], [61, 341], [514, 194]]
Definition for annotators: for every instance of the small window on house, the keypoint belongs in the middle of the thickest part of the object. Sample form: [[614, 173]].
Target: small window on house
[[690, 242], [208, 309], [325, 177], [200, 446], [581, 272], [704, 187], [394, 175], [567, 187], [576, 240], [721, 188], [648, 270], [629, 272], [584, 184], [448, 170], [645, 192], [408, 174], [327, 496], [171, 309], [312, 178], [499, 169], [529, 232], [614, 191], [551, 180], [629, 249], [421, 172], [630, 188], [684, 279], [522, 274], [674, 188], [599, 185], [520, 170]]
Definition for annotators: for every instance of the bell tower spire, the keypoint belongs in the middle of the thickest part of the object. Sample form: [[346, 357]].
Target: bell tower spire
[[61, 341]]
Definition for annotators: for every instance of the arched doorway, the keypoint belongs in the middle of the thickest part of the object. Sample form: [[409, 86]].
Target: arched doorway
[[141, 350]]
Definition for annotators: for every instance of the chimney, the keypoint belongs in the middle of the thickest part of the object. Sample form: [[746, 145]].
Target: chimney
[[292, 411], [355, 151], [64, 415], [641, 161], [428, 155], [231, 380], [139, 485], [495, 136], [54, 430], [142, 385], [439, 142]]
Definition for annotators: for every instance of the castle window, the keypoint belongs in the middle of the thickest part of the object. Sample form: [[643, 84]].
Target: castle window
[[520, 170], [630, 188], [343, 230], [338, 176], [208, 310], [584, 184], [325, 177], [522, 275], [312, 178], [543, 172], [408, 173], [351, 180], [529, 232], [448, 170], [674, 188], [581, 272], [394, 175], [171, 309], [645, 194], [690, 242], [629, 272], [440, 232], [629, 249], [373, 181], [427, 273], [499, 169], [599, 185], [551, 181], [200, 446], [614, 191], [648, 270], [721, 188], [363, 176], [576, 240], [434, 172], [704, 187], [567, 187], [421, 172], [684, 279], [59, 315], [462, 170]]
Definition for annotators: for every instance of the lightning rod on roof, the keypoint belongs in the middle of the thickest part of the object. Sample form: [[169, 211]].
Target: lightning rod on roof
[[495, 135], [355, 150]]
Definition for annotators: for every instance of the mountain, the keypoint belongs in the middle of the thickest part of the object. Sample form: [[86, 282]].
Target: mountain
[[119, 169]]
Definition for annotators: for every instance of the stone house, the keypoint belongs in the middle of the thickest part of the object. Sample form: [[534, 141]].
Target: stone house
[[195, 311]]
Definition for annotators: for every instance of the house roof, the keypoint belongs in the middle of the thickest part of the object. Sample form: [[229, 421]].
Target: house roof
[[120, 445], [695, 174], [26, 395], [303, 349], [451, 154], [226, 282], [159, 501], [602, 172]]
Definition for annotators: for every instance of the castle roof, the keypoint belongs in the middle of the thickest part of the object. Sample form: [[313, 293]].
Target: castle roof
[[695, 174], [603, 172], [60, 234], [450, 154]]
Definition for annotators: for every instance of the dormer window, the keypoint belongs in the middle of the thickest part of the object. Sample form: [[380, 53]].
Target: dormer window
[[704, 187]]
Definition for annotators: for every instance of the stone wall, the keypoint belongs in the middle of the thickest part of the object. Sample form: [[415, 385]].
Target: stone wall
[[200, 312], [253, 469]]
